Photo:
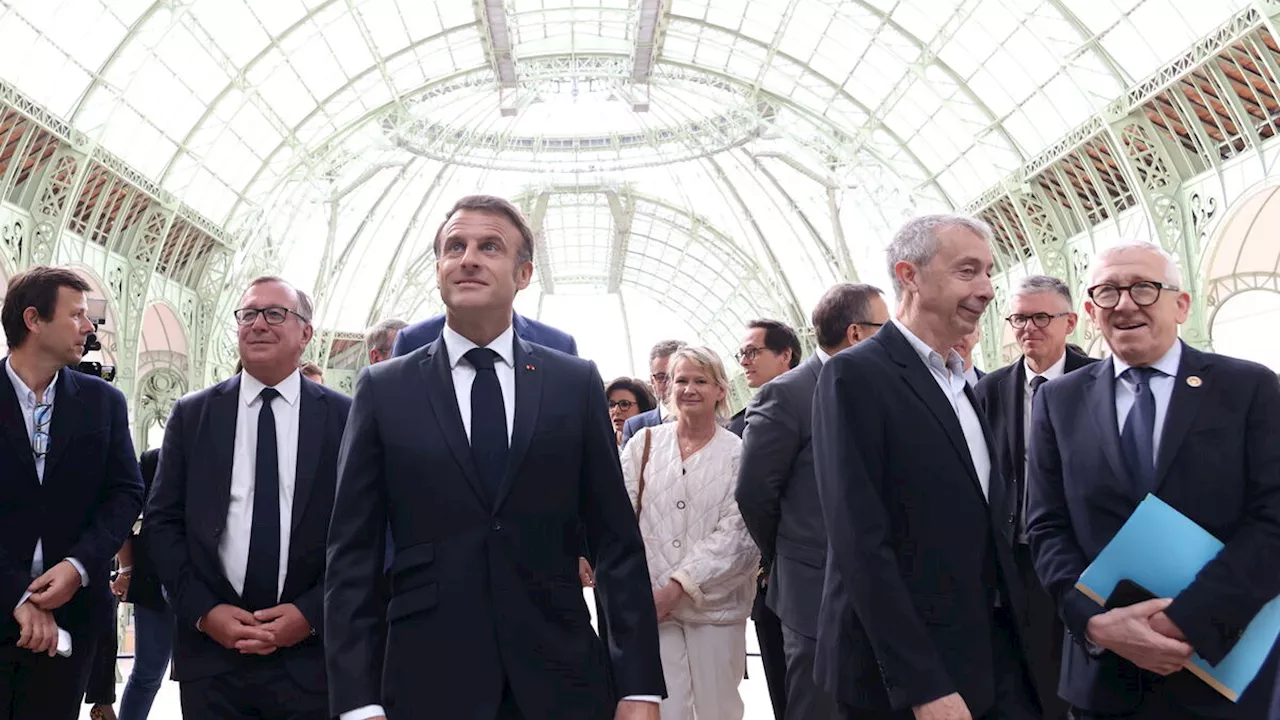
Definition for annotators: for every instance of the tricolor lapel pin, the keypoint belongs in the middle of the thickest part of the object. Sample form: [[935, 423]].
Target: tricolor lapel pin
[[530, 367], [1194, 381]]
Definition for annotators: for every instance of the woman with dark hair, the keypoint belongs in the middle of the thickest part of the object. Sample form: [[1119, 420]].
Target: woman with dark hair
[[628, 397]]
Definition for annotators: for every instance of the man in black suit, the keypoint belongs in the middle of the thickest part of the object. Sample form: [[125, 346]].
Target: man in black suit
[[1197, 430], [491, 458], [1042, 319], [238, 519], [70, 492], [778, 495], [921, 604]]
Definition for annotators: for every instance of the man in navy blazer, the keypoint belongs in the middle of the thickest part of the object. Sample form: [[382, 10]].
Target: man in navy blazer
[[1197, 430], [425, 332], [238, 519], [69, 494], [659, 358], [492, 459]]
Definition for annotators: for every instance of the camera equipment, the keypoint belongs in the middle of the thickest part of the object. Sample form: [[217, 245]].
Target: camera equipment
[[97, 315]]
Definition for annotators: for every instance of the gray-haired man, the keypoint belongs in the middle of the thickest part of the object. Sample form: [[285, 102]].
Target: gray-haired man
[[379, 339]]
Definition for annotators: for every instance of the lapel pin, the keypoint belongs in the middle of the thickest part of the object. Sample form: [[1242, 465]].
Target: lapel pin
[[530, 367], [1194, 381]]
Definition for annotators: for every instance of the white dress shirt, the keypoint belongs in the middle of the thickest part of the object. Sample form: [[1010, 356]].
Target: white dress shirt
[[823, 357], [970, 374], [950, 376], [463, 377], [233, 546], [1161, 388], [27, 401]]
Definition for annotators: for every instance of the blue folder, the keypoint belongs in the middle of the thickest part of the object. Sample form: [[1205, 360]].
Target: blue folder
[[1162, 550]]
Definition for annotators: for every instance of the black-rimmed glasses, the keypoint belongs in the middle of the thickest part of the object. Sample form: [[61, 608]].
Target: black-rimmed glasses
[[274, 315], [1143, 293], [42, 416], [623, 405], [748, 353], [868, 324], [1040, 320]]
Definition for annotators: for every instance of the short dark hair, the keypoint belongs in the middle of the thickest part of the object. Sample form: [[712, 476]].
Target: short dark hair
[[644, 396], [841, 306], [665, 348], [779, 336], [497, 206], [305, 308], [37, 288]]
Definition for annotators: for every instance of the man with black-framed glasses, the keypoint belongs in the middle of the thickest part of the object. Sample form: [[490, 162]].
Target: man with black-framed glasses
[[238, 519], [71, 490], [1041, 319]]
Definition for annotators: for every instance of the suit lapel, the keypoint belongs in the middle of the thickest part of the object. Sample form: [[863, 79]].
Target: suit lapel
[[1102, 408], [1014, 402], [223, 410], [14, 428], [444, 404], [64, 426], [528, 401], [1184, 404], [920, 379], [313, 415]]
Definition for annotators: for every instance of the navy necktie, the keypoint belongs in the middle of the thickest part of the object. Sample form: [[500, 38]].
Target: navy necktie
[[1036, 382], [488, 421], [261, 577], [1137, 439]]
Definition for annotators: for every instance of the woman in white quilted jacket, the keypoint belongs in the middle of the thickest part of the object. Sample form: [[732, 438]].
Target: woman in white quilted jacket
[[702, 561]]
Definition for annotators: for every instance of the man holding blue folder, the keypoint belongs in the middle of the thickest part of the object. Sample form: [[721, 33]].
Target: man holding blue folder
[[1198, 431]]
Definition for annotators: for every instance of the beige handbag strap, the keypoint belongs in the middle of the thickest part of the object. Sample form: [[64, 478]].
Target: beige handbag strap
[[644, 462]]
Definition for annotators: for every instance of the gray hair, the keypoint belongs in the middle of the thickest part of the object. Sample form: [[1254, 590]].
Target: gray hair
[[305, 307], [1172, 274], [917, 241], [380, 336], [1034, 284], [665, 348]]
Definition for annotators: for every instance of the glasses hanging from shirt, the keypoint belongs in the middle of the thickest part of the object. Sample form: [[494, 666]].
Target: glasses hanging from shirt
[[42, 416]]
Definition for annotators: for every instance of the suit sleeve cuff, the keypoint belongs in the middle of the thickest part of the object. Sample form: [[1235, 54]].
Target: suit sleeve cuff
[[362, 713], [84, 576], [1077, 608], [635, 698]]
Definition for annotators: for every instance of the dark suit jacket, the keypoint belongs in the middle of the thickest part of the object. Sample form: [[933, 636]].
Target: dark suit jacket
[[1218, 463], [738, 423], [425, 332], [1000, 397], [187, 514], [85, 507], [916, 554], [639, 422], [144, 586], [485, 590], [778, 495]]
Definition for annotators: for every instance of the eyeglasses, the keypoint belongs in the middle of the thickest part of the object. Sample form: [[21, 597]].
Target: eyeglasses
[[748, 353], [868, 324], [659, 377], [1041, 320], [1143, 293], [43, 415], [623, 405], [274, 315]]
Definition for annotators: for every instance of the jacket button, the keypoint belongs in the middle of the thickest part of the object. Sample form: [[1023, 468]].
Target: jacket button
[[1011, 518], [217, 532], [680, 504], [675, 543], [497, 525]]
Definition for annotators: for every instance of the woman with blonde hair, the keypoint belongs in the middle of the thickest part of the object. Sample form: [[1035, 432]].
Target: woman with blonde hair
[[702, 561]]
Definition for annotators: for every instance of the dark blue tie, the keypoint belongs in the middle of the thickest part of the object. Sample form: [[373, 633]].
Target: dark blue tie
[[1137, 439], [261, 577], [488, 421]]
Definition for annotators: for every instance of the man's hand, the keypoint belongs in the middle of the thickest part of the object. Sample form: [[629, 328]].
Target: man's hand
[[39, 631], [666, 598], [55, 587], [229, 625], [948, 707], [1131, 633], [120, 586], [285, 623], [637, 710], [584, 573]]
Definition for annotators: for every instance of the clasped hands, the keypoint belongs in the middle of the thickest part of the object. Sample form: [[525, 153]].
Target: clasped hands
[[1143, 635], [37, 628], [256, 633]]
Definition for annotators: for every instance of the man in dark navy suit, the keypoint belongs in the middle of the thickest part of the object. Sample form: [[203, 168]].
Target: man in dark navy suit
[[1198, 431], [659, 358], [238, 518], [1042, 319], [70, 490], [491, 458], [425, 332]]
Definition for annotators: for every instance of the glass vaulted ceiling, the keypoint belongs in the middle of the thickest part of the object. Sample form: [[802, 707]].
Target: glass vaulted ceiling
[[702, 161]]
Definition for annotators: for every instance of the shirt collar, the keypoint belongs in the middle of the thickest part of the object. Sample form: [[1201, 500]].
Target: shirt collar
[[27, 396], [952, 361], [457, 346], [1054, 372], [251, 387], [1167, 364], [823, 357]]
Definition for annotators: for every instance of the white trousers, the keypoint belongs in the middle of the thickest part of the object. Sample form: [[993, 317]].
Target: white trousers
[[703, 665]]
